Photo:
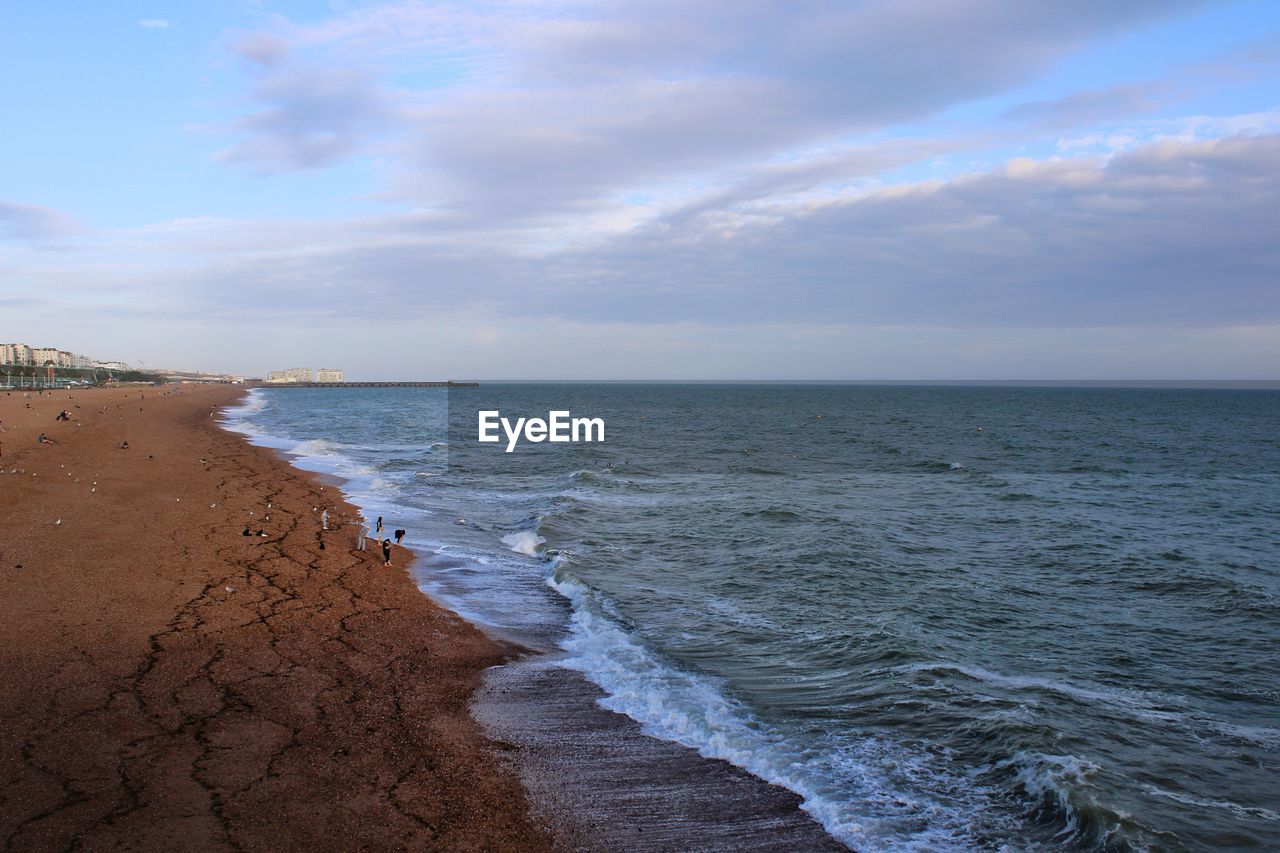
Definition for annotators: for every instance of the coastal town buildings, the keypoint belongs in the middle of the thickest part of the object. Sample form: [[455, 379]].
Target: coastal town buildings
[[43, 356], [293, 374], [23, 355], [329, 374], [15, 354]]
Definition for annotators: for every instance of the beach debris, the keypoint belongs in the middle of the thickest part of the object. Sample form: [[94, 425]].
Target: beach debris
[[230, 588], [56, 523], [211, 506]]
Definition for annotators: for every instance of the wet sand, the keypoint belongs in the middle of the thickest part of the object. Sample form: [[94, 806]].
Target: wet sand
[[172, 684]]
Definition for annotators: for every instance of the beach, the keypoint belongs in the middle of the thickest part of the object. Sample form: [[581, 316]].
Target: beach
[[170, 682]]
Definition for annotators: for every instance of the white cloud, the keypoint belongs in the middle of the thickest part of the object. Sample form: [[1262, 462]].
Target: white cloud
[[154, 24], [520, 107], [33, 222], [1171, 234]]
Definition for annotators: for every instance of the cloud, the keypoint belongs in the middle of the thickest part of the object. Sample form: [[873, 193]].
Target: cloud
[[1089, 107], [154, 24], [32, 222], [313, 117], [262, 49], [1173, 235], [522, 108]]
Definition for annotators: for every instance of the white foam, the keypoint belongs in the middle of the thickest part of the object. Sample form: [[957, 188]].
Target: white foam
[[1137, 704], [1224, 805], [524, 542], [1059, 778], [315, 447], [848, 788]]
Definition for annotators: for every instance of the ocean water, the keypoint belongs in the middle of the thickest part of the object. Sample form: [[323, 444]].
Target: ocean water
[[948, 618]]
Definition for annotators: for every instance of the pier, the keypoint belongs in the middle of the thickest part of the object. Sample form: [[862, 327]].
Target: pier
[[448, 384]]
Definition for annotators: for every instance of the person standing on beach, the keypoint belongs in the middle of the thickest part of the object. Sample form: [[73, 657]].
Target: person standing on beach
[[386, 552], [378, 529], [324, 520], [362, 533]]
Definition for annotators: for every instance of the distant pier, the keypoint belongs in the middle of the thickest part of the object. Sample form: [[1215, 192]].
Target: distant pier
[[449, 384]]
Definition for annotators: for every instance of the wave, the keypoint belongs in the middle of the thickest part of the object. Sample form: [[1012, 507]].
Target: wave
[[236, 418], [1137, 705], [1059, 788], [1225, 805], [774, 513], [866, 792], [255, 401], [316, 447], [524, 542]]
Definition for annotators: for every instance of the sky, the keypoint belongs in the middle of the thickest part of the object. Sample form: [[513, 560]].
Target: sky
[[721, 189]]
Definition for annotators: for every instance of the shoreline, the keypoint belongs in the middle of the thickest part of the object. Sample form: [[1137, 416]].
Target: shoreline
[[593, 776], [174, 683]]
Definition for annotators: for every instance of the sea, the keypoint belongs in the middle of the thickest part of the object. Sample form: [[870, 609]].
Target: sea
[[944, 617]]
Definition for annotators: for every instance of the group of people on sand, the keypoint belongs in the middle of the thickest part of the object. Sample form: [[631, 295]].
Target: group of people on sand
[[362, 537]]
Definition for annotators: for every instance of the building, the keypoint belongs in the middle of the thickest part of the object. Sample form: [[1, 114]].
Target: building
[[329, 374], [15, 354], [42, 356], [111, 365], [293, 374]]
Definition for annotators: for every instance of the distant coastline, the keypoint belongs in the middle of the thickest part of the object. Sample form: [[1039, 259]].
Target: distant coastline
[[1208, 384]]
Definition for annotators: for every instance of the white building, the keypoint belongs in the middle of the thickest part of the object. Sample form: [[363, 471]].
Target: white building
[[329, 374], [293, 374], [15, 354], [41, 356], [111, 365]]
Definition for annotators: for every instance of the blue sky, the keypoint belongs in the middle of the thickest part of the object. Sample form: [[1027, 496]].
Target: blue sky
[[745, 189]]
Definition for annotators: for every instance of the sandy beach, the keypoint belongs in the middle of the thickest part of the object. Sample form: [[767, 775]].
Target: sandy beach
[[170, 683]]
